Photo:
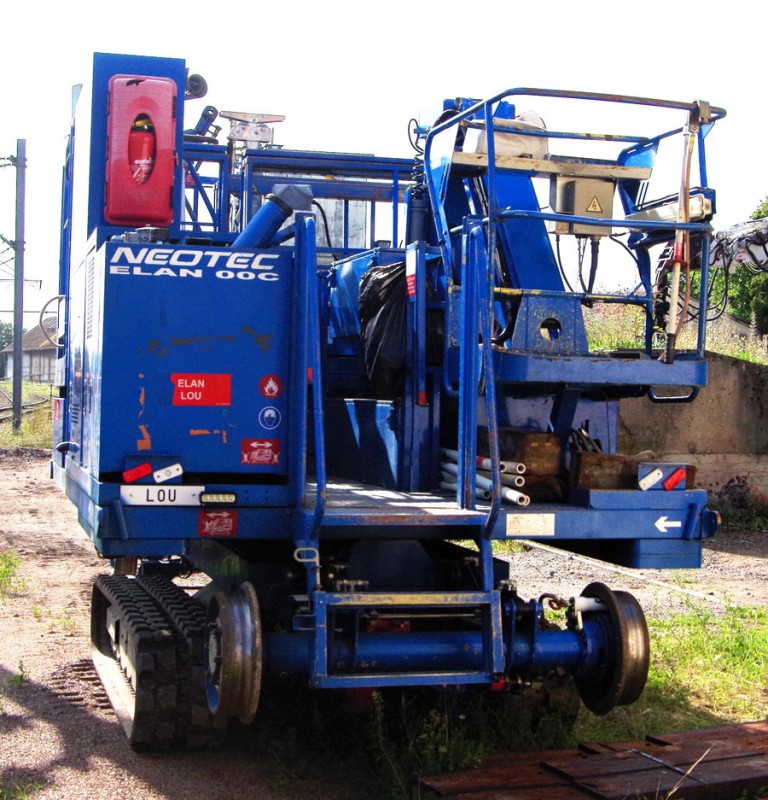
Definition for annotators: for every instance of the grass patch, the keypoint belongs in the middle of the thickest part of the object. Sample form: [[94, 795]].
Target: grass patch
[[613, 326], [10, 582], [707, 669], [29, 391], [19, 791], [721, 340], [36, 426], [36, 430]]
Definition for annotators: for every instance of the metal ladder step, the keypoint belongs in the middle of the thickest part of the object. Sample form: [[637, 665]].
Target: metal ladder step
[[489, 640]]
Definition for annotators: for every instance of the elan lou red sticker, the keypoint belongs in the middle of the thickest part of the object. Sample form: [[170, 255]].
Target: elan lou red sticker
[[201, 389]]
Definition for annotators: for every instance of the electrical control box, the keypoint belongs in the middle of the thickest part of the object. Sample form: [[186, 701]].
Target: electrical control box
[[582, 197]]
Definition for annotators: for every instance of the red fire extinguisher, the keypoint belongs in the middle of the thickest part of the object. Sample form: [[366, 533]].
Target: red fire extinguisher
[[141, 148]]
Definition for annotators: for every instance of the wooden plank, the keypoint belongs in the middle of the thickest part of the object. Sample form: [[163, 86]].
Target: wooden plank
[[711, 781], [707, 764], [642, 757], [543, 167], [559, 792], [756, 732], [520, 777]]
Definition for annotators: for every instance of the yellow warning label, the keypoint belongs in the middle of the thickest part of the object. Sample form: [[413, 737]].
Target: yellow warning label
[[594, 207]]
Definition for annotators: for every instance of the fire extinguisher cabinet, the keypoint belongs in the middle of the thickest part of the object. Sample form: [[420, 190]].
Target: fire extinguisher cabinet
[[141, 129]]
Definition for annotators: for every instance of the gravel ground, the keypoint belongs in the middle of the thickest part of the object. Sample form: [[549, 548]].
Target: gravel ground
[[57, 729]]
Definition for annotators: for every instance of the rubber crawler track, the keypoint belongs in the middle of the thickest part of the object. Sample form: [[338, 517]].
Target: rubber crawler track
[[160, 631], [198, 728]]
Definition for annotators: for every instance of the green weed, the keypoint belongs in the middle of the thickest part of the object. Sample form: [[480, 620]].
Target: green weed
[[10, 582], [509, 547], [720, 339], [57, 620], [20, 678], [611, 326], [62, 621], [19, 792], [421, 732]]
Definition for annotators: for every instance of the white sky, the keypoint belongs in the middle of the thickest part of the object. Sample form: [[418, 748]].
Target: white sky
[[349, 75]]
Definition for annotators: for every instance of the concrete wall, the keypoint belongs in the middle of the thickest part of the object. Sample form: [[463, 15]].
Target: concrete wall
[[723, 433]]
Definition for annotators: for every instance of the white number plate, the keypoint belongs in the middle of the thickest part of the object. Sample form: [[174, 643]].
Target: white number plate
[[143, 495]]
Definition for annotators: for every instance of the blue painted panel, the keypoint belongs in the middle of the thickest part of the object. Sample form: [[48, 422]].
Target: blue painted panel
[[596, 370], [525, 242], [193, 359]]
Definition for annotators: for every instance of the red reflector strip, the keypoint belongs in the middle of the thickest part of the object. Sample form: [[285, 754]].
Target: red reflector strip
[[388, 626], [136, 473], [675, 478]]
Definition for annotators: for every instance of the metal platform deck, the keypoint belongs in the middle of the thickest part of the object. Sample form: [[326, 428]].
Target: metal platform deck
[[710, 764], [354, 503]]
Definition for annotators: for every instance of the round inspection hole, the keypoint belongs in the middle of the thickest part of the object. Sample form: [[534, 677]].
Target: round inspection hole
[[550, 329]]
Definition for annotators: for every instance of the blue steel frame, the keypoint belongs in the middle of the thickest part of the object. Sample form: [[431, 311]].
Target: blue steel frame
[[567, 362], [298, 503]]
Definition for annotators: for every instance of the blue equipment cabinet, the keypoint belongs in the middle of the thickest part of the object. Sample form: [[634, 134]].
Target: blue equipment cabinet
[[332, 381]]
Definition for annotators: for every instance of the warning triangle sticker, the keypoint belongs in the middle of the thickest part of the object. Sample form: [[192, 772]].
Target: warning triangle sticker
[[595, 207]]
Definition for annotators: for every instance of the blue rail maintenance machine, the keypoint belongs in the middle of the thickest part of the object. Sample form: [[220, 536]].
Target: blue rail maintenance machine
[[330, 383]]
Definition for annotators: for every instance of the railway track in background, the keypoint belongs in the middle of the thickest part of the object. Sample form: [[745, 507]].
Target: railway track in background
[[29, 405]]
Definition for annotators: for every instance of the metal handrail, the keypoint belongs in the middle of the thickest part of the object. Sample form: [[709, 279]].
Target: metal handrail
[[714, 113], [309, 359]]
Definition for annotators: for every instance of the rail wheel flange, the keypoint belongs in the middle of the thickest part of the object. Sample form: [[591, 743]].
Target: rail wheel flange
[[624, 664], [234, 653]]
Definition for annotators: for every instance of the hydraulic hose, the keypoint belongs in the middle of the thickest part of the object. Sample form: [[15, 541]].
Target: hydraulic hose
[[681, 255]]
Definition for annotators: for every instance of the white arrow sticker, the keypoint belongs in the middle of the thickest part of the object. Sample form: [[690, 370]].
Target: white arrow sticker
[[663, 524]]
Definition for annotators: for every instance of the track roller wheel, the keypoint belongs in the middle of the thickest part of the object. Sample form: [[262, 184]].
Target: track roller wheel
[[623, 670], [234, 653]]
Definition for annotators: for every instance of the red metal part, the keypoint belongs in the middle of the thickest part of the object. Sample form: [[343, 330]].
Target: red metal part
[[141, 151], [137, 472], [674, 479], [141, 136]]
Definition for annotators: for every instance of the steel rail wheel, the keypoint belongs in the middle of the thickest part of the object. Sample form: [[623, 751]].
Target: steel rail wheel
[[623, 670], [234, 653]]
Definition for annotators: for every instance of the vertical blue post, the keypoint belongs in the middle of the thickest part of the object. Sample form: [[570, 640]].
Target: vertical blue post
[[469, 333]]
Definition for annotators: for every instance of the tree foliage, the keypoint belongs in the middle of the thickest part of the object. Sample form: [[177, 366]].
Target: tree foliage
[[761, 212], [6, 334], [747, 290]]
